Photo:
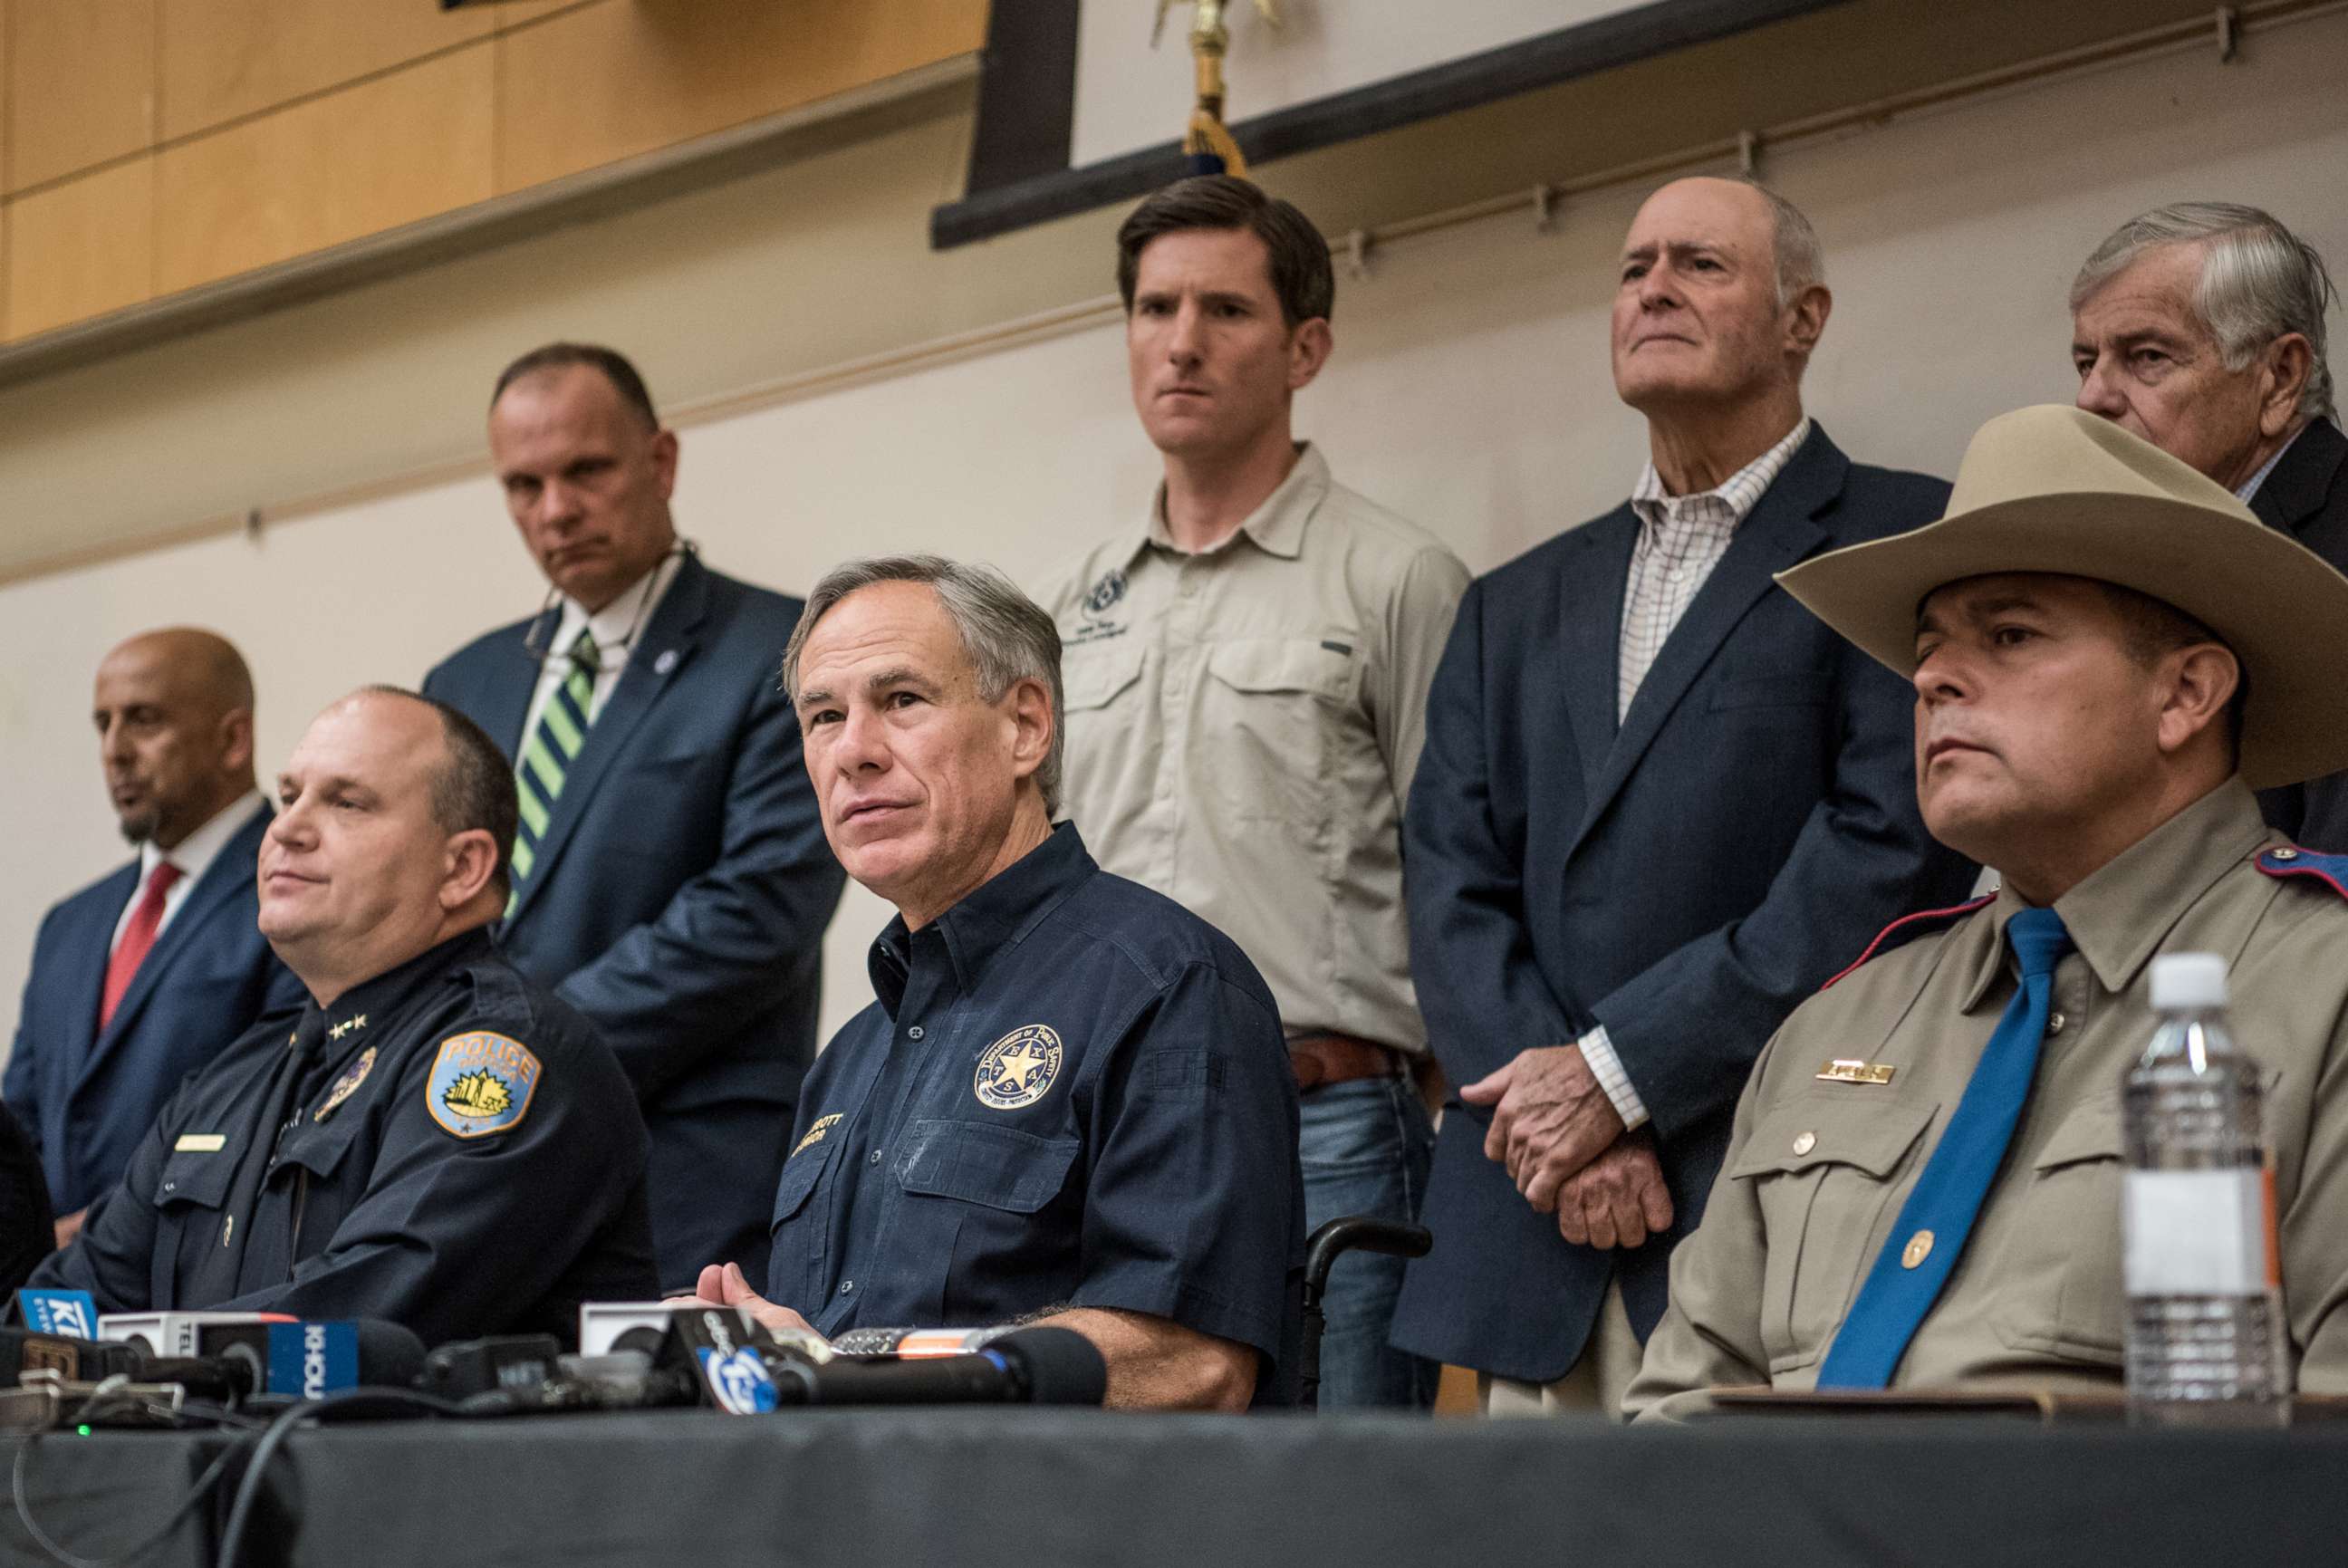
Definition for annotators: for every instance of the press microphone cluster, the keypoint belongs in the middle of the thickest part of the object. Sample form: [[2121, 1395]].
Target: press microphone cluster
[[236, 1361], [722, 1359]]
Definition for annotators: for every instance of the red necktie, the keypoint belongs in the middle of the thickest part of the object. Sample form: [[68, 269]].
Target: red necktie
[[138, 939]]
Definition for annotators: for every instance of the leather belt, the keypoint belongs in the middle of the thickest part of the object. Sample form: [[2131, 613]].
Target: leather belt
[[1320, 1060]]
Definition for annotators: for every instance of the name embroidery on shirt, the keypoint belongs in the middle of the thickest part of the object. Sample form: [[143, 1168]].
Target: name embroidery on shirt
[[1098, 601], [816, 1134], [1018, 1069]]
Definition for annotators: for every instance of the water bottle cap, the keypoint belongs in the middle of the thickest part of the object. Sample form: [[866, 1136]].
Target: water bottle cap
[[2184, 981]]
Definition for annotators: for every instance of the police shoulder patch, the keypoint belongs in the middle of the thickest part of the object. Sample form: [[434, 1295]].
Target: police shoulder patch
[[480, 1083], [1018, 1069]]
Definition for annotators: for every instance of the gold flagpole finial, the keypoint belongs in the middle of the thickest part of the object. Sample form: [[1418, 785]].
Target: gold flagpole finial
[[1208, 141]]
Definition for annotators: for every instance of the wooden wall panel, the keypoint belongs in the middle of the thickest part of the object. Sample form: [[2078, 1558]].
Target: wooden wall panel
[[80, 83], [221, 61], [5, 97], [155, 146], [81, 248], [514, 12], [372, 157], [611, 80]]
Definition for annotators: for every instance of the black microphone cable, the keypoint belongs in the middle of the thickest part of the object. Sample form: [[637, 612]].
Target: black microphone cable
[[354, 1401], [20, 1489]]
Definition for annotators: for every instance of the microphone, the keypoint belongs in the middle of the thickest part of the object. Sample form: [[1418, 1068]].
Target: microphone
[[310, 1360], [78, 1360], [1040, 1366]]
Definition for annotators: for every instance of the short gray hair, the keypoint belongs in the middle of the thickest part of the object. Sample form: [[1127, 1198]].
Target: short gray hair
[[2259, 282], [1801, 263], [1006, 635]]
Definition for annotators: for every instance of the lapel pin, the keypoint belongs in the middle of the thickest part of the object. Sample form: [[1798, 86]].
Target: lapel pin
[[665, 663]]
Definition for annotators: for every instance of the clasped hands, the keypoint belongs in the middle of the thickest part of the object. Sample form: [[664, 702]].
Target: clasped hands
[[1565, 1148]]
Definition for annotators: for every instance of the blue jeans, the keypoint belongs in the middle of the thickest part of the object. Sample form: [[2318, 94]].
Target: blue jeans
[[1365, 1146]]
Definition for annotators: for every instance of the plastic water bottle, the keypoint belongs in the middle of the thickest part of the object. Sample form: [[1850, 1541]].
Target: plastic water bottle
[[2205, 1311]]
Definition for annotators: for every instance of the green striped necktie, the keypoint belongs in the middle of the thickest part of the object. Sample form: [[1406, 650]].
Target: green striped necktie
[[548, 754]]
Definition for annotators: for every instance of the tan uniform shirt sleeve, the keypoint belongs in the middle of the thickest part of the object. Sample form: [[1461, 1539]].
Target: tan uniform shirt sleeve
[[1418, 623], [2314, 1230], [1710, 1336]]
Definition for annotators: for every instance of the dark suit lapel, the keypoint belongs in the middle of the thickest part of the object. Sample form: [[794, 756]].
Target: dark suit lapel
[[2301, 482], [231, 872], [506, 702], [665, 647], [1590, 618], [1779, 531]]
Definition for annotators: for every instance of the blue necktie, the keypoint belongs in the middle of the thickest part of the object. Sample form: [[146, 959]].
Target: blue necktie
[[1929, 1237]]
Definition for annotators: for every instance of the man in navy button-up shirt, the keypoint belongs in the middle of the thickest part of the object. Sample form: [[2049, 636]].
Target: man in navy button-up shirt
[[1072, 1102]]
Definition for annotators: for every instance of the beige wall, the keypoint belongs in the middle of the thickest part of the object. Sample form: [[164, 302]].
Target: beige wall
[[1127, 99], [1468, 391]]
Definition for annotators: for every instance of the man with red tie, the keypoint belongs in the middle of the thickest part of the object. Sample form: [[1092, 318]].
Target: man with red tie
[[138, 979]]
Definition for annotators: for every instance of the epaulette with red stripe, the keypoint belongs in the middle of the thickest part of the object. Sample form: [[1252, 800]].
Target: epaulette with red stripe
[[1906, 928], [2289, 860]]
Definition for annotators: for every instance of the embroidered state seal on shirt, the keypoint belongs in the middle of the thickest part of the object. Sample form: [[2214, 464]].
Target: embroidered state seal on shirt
[[1018, 1068], [480, 1083]]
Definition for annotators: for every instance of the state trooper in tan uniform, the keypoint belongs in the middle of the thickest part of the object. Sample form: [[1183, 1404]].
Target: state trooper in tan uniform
[[2110, 652]]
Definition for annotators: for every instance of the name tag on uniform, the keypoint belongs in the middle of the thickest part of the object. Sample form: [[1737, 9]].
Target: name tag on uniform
[[1839, 1071], [201, 1143]]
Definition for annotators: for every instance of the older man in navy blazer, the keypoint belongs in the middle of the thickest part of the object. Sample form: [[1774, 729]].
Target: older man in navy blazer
[[1660, 804], [137, 980], [671, 880]]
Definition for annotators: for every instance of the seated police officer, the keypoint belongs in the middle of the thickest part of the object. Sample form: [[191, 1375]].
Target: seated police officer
[[433, 1138], [1072, 1102], [2109, 652]]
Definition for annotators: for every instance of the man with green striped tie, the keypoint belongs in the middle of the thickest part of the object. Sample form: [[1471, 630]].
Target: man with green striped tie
[[1922, 1191], [671, 878]]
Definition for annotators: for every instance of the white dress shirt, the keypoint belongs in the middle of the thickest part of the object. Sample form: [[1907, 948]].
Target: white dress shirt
[[617, 626], [194, 856]]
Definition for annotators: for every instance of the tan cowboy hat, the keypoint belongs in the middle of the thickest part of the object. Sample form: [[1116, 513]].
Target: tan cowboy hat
[[2056, 489]]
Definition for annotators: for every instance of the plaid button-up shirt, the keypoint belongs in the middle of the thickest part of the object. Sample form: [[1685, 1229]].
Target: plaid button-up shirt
[[1681, 539]]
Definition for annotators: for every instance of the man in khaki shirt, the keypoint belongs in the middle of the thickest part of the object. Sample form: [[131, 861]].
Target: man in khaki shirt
[[1247, 676], [2109, 653]]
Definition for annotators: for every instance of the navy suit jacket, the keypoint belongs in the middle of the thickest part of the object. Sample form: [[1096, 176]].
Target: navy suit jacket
[[1685, 882], [680, 894], [2306, 496], [87, 1099]]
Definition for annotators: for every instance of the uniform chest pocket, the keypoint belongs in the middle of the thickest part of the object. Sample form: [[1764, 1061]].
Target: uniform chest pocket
[[195, 1180], [1795, 688], [2060, 1290], [976, 1162], [800, 1174], [1275, 712], [319, 1147], [1096, 676], [1823, 1171]]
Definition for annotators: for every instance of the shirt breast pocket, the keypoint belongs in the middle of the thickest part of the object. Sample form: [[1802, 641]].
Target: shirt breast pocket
[[2059, 1274], [189, 1194], [1096, 676], [311, 1155], [1822, 1174], [1109, 736], [1794, 688], [1269, 707], [973, 1195], [799, 1230]]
